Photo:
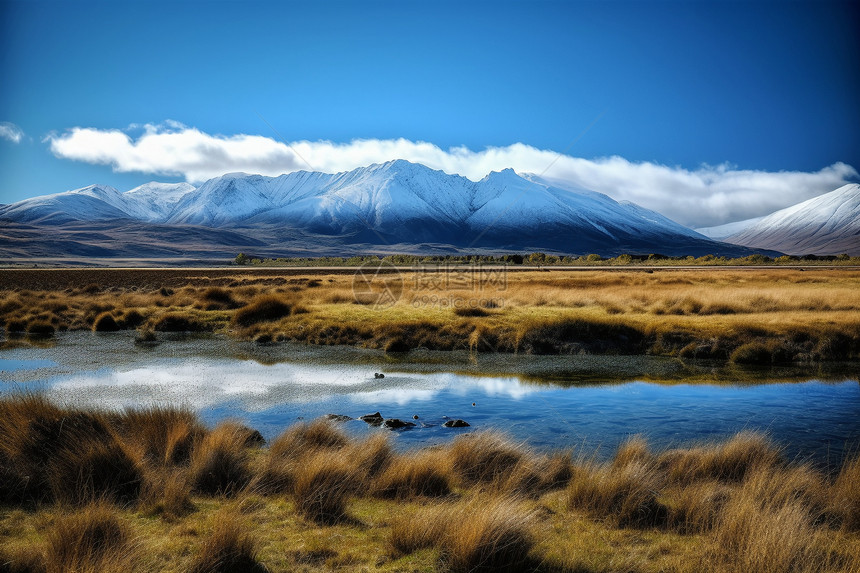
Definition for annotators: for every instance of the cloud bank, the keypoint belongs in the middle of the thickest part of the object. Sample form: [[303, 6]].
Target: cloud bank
[[706, 196], [11, 132]]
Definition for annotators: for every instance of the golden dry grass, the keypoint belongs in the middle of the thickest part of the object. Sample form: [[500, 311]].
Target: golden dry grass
[[481, 502], [747, 315]]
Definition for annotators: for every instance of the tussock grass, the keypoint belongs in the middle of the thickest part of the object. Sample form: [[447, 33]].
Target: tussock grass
[[322, 500], [418, 474], [324, 481], [166, 493], [220, 464], [179, 322], [165, 435], [266, 308], [625, 496], [228, 549], [482, 534], [70, 456], [729, 461], [844, 496], [304, 439], [750, 316], [483, 457], [91, 540], [105, 322], [216, 298], [40, 328]]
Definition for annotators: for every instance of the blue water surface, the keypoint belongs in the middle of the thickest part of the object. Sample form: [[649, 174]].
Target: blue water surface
[[563, 408]]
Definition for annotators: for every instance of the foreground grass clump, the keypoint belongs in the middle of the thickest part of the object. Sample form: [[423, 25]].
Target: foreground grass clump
[[220, 464], [70, 456], [481, 534], [229, 549], [92, 540], [316, 499]]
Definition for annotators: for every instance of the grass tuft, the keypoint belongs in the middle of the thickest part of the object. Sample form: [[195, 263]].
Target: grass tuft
[[304, 439], [411, 475], [481, 534], [227, 550], [179, 322], [91, 540], [266, 308], [220, 463], [483, 457], [64, 455], [323, 484], [105, 322], [625, 496], [729, 461]]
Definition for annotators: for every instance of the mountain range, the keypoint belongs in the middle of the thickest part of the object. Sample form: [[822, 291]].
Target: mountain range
[[825, 225], [392, 207]]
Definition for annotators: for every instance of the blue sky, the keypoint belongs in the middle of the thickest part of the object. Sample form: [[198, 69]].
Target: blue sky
[[689, 89]]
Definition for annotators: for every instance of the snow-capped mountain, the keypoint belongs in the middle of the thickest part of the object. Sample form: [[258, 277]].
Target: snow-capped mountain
[[395, 203], [720, 232], [151, 202], [825, 225]]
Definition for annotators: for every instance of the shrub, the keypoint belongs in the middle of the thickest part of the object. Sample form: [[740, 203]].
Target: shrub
[[227, 550], [265, 308]]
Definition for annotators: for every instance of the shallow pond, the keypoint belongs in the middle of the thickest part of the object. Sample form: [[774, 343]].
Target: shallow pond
[[590, 403]]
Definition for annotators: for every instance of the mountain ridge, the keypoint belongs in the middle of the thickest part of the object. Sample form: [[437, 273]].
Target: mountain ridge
[[392, 203], [825, 225]]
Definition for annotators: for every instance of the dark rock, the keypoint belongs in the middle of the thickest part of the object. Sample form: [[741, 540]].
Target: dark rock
[[378, 375], [415, 417], [338, 417], [372, 419], [456, 424], [396, 424]]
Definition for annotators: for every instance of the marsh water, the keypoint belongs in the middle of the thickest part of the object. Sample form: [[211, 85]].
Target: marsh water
[[586, 403]]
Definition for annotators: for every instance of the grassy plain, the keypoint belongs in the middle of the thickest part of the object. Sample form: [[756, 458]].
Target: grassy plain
[[181, 497], [745, 315]]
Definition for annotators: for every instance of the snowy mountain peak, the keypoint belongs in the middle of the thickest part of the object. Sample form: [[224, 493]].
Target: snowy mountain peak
[[825, 225], [392, 203]]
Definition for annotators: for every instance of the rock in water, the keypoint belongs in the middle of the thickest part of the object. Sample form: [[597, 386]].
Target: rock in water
[[396, 424], [372, 419]]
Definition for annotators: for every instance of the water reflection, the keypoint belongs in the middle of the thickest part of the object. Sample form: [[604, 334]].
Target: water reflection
[[520, 395]]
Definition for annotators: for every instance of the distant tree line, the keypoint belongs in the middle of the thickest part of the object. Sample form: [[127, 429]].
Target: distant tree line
[[540, 259]]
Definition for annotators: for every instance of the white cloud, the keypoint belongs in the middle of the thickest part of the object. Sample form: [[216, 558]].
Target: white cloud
[[699, 197], [11, 132]]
